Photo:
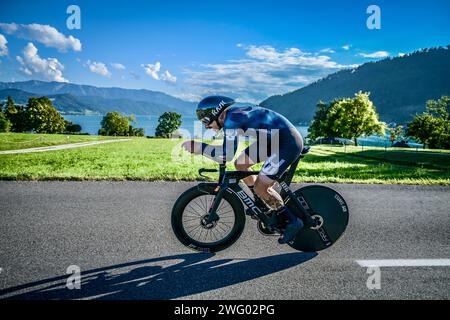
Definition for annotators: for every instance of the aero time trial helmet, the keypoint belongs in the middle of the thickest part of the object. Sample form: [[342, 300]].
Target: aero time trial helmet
[[211, 107]]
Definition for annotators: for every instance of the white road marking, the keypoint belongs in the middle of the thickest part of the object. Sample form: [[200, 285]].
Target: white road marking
[[405, 263], [61, 146]]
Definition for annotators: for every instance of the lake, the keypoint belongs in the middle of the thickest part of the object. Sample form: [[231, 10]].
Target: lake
[[91, 124], [192, 127]]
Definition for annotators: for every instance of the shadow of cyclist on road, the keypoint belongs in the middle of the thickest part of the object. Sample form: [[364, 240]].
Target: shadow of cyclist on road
[[157, 278]]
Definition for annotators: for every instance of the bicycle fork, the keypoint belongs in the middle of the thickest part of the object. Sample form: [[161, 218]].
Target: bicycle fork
[[212, 212]]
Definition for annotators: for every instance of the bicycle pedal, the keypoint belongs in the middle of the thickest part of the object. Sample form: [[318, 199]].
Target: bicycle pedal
[[267, 231]]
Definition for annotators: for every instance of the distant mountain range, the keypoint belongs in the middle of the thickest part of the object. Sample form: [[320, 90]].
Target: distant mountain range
[[399, 87], [76, 99]]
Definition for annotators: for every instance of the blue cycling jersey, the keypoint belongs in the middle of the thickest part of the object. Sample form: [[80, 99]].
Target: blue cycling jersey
[[254, 117], [245, 121]]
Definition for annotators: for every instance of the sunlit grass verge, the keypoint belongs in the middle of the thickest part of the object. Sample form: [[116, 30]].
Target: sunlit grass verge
[[163, 159]]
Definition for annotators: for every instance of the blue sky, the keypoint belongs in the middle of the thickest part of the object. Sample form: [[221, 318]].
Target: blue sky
[[246, 49]]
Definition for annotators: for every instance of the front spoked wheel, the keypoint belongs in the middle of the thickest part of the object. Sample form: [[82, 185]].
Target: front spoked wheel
[[190, 220]]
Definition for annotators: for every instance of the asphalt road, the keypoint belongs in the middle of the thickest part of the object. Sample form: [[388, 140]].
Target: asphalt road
[[119, 235]]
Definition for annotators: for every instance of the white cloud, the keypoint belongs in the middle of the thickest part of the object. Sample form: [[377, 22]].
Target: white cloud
[[269, 53], [44, 34], [153, 71], [166, 76], [327, 50], [378, 54], [263, 72], [3, 47], [45, 68], [26, 70], [401, 54], [188, 97], [118, 66], [99, 68], [346, 47]]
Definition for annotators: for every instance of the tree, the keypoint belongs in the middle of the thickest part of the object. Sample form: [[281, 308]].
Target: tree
[[71, 127], [353, 118], [432, 127], [138, 132], [43, 116], [135, 132], [348, 118], [423, 128], [10, 107], [20, 121], [132, 119], [318, 127], [17, 117], [395, 134], [113, 123], [439, 108], [5, 124], [168, 122]]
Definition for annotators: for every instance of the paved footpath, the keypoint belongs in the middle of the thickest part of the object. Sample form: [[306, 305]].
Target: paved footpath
[[62, 146]]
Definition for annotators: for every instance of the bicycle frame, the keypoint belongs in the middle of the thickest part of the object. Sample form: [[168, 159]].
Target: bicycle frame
[[229, 182]]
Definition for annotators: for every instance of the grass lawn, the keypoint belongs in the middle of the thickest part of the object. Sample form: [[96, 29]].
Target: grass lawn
[[427, 158], [162, 159], [14, 141]]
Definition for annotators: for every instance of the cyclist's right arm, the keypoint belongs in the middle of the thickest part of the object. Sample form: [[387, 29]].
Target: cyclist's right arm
[[226, 151]]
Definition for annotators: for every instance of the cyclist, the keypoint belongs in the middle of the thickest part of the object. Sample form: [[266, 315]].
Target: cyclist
[[278, 143]]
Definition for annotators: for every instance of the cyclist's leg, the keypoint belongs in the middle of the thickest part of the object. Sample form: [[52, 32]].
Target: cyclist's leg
[[249, 157], [264, 189], [284, 150], [290, 147]]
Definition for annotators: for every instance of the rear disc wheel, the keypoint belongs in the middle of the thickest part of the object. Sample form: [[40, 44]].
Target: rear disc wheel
[[329, 210]]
